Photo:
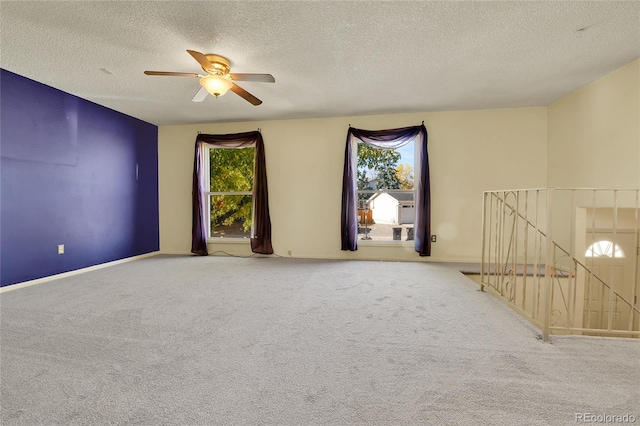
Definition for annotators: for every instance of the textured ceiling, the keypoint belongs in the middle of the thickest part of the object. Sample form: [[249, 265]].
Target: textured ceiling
[[328, 58]]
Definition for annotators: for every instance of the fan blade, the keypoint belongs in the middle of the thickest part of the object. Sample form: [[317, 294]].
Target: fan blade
[[200, 95], [262, 78], [202, 60], [245, 95], [175, 74]]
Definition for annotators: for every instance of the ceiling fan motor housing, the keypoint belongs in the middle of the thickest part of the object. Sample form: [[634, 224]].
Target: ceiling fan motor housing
[[220, 64]]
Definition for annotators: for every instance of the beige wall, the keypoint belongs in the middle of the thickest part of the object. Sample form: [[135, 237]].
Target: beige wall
[[594, 133], [470, 152]]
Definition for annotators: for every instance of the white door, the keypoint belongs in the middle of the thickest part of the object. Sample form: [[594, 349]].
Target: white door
[[407, 214], [614, 287]]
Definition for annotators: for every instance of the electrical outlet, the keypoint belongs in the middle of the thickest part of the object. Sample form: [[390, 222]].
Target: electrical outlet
[[60, 248], [433, 238]]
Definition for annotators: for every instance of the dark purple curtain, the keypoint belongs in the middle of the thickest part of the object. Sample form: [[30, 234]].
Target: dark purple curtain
[[393, 138], [261, 233]]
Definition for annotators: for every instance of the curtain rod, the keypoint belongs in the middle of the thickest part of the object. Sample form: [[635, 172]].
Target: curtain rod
[[350, 124], [259, 129]]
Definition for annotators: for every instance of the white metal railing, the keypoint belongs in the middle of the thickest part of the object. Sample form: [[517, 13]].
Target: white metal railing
[[566, 259]]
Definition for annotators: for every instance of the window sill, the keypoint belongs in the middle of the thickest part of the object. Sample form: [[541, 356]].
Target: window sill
[[228, 240], [369, 243]]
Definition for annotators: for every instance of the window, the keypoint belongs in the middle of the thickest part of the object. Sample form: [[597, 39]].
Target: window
[[392, 139], [254, 221], [230, 196], [604, 248], [386, 193]]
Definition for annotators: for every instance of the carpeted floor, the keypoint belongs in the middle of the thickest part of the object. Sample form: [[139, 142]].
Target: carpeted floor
[[231, 341]]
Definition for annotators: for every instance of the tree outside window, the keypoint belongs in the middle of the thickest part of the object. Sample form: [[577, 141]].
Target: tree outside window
[[231, 186]]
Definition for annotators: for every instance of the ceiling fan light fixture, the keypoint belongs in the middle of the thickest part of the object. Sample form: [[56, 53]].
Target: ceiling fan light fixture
[[218, 80], [216, 85]]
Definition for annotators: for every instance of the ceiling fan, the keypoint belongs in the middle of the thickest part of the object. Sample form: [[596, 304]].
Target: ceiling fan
[[218, 79]]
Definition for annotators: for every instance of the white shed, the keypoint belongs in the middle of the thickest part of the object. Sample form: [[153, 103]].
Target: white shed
[[395, 208]]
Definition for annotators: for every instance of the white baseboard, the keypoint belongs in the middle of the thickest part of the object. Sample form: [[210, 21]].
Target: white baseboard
[[75, 272]]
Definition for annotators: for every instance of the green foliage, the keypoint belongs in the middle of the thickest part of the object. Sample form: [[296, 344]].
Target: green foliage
[[378, 164], [231, 170]]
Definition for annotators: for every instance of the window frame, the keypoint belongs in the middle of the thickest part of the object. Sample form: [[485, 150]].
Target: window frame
[[416, 166], [606, 250], [208, 194]]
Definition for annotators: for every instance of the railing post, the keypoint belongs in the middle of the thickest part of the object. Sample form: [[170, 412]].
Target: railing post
[[549, 266], [572, 279], [612, 281], [484, 236], [536, 257], [634, 288], [525, 263]]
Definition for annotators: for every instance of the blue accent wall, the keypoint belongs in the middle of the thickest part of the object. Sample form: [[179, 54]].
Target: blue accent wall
[[73, 173]]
